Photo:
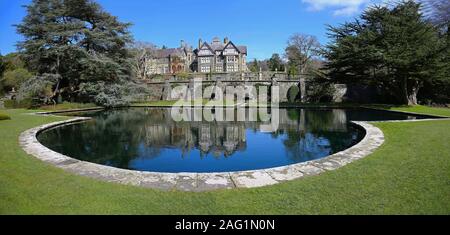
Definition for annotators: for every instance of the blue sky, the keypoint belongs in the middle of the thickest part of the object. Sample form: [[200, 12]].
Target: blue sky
[[263, 25]]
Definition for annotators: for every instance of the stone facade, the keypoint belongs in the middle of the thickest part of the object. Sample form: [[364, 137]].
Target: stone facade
[[214, 57], [171, 60], [220, 57]]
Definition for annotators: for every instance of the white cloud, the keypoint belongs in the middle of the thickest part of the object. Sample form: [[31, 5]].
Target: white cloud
[[339, 7]]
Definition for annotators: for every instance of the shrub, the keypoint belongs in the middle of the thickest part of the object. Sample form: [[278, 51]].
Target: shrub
[[4, 117], [26, 103], [320, 92], [38, 88], [182, 75], [113, 94], [293, 94], [20, 104], [14, 78], [157, 77], [320, 88], [9, 104]]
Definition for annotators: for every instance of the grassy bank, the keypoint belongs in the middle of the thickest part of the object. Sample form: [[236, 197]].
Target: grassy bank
[[67, 106], [423, 109], [409, 174]]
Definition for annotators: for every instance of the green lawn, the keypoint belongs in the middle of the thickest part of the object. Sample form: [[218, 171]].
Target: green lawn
[[155, 103], [409, 174], [424, 109], [67, 106]]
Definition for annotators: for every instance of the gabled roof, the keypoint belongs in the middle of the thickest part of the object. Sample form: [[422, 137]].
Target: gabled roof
[[164, 53], [217, 45], [207, 45], [241, 49], [221, 46]]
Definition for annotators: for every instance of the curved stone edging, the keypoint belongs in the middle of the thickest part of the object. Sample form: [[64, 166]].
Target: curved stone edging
[[199, 181]]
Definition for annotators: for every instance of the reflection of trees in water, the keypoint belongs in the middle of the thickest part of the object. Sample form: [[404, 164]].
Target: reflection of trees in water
[[108, 139], [307, 147], [116, 137], [304, 146], [319, 119], [318, 133]]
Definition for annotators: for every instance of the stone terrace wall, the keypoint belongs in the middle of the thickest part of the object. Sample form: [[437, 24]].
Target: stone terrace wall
[[358, 94], [265, 75], [343, 92]]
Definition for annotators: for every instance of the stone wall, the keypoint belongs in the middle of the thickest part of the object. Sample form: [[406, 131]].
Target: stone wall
[[264, 75], [357, 94], [156, 91], [343, 92]]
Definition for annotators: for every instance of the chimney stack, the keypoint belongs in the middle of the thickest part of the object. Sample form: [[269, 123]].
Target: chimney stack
[[225, 40], [182, 45], [200, 42]]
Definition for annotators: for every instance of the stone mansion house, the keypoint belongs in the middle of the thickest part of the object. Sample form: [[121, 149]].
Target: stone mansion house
[[215, 57]]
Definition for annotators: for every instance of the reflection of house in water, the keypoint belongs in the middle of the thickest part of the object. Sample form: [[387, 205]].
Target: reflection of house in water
[[212, 138], [225, 138], [219, 139]]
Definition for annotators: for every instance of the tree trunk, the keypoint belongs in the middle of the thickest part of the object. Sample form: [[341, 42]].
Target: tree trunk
[[412, 95], [409, 91]]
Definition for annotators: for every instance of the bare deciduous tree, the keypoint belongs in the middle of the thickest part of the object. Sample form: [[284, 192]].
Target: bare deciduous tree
[[143, 52], [301, 49]]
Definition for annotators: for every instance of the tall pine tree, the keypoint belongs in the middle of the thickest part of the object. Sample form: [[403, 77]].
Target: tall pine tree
[[392, 47]]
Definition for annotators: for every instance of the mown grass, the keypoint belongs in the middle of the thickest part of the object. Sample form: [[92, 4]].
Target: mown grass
[[67, 106], [409, 174], [423, 109], [158, 103]]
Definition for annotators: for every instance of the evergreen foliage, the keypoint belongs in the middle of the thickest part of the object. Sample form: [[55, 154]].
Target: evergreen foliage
[[392, 47], [275, 63], [75, 42]]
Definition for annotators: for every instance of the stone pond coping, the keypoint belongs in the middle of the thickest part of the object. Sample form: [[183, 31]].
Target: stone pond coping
[[199, 181], [204, 181]]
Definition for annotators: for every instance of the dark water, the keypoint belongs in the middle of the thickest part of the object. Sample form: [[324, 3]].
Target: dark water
[[148, 139]]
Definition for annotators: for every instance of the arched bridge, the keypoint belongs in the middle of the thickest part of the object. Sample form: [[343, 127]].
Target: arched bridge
[[162, 90]]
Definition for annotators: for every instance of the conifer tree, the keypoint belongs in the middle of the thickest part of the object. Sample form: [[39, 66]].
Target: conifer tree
[[392, 47], [74, 42]]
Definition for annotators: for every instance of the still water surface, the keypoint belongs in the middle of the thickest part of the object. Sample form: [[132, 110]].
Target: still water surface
[[147, 139]]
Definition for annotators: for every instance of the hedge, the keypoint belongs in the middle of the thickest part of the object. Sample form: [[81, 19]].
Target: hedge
[[4, 116], [14, 104]]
